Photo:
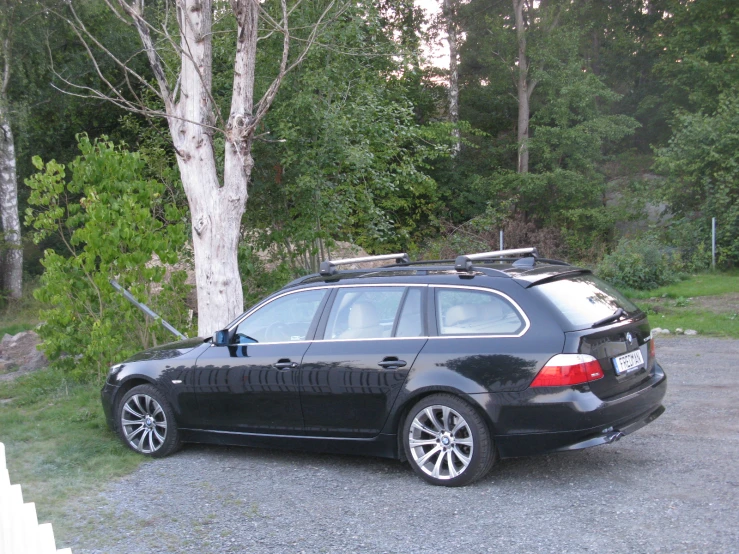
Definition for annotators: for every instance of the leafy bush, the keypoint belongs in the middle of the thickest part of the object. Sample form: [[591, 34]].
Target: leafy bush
[[701, 163], [640, 264], [111, 221]]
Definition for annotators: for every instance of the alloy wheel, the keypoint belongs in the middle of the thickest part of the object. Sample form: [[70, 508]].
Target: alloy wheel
[[144, 423], [440, 442]]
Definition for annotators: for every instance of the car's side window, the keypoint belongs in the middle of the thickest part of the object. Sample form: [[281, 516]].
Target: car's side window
[[363, 312], [475, 312], [410, 323], [285, 319]]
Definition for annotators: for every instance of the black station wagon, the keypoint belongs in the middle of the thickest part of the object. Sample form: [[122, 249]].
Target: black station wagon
[[447, 364]]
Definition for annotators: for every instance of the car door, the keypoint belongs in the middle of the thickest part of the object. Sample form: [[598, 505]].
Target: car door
[[251, 384], [369, 340]]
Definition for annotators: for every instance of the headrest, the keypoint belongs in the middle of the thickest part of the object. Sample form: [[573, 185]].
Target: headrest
[[363, 314]]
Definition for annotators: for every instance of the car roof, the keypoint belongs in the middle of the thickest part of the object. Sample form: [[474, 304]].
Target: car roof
[[444, 271]]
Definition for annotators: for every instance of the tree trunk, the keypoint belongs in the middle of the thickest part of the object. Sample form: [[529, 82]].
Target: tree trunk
[[13, 255], [215, 210], [523, 89], [452, 39]]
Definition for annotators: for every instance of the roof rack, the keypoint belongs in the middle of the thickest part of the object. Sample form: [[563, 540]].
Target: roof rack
[[463, 263], [328, 267]]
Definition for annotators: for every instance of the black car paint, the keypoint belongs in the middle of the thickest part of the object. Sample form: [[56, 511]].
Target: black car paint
[[338, 399]]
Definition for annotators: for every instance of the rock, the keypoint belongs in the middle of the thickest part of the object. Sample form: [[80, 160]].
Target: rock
[[691, 332], [678, 331], [21, 350], [660, 331]]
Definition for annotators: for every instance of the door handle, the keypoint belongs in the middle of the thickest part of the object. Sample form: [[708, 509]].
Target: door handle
[[285, 364], [392, 363]]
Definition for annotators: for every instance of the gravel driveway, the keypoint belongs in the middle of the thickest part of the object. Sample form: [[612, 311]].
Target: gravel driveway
[[673, 486]]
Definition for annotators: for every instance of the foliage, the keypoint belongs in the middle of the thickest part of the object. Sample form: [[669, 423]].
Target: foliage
[[111, 221], [258, 279], [347, 159], [640, 264], [701, 162], [698, 45]]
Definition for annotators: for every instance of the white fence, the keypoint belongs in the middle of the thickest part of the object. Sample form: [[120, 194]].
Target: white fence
[[20, 532]]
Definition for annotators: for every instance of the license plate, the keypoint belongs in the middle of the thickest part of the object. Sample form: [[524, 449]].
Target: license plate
[[628, 362]]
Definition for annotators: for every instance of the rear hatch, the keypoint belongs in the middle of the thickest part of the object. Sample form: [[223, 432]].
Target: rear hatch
[[601, 322]]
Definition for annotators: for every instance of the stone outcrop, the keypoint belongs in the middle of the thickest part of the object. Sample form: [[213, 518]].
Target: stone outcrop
[[19, 354]]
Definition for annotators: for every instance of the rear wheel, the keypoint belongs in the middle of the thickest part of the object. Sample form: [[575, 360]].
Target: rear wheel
[[447, 442], [146, 422]]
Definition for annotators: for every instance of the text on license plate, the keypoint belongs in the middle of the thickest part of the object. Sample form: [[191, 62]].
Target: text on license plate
[[628, 362]]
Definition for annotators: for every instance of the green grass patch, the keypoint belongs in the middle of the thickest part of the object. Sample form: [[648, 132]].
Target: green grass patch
[[703, 284], [703, 321], [15, 328], [57, 444], [707, 303]]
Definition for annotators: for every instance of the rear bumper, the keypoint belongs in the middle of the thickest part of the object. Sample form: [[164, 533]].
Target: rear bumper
[[538, 421]]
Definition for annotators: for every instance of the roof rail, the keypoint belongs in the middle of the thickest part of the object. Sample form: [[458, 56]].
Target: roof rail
[[464, 262], [328, 267]]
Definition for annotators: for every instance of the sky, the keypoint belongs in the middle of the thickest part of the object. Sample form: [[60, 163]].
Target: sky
[[437, 53]]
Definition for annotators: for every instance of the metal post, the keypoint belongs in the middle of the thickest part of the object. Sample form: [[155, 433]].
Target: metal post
[[146, 309], [501, 239], [713, 243]]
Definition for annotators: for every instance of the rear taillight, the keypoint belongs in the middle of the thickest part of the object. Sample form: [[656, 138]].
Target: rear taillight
[[568, 369], [651, 348]]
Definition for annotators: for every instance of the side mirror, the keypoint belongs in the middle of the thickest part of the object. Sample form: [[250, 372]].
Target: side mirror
[[220, 338]]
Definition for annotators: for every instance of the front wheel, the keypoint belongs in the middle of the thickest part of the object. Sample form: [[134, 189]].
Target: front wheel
[[146, 422], [447, 442]]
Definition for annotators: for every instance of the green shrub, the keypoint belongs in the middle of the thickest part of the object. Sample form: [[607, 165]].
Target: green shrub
[[640, 264], [112, 221]]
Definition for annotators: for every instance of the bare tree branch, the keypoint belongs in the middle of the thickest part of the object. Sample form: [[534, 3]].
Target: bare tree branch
[[136, 12]]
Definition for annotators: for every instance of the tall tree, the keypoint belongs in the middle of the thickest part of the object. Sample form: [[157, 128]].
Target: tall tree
[[529, 16], [179, 49], [15, 16], [449, 12]]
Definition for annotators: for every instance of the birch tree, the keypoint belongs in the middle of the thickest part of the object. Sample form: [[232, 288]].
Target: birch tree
[[13, 252], [449, 13], [177, 41]]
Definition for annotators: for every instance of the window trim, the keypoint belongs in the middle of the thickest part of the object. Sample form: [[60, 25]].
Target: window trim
[[434, 314], [321, 329], [318, 325], [311, 328]]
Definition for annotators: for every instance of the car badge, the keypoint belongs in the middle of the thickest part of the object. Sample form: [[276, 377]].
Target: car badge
[[629, 338]]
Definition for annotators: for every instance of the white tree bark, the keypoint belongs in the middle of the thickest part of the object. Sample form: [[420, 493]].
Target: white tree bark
[[215, 210], [216, 207], [13, 255], [449, 13], [522, 86]]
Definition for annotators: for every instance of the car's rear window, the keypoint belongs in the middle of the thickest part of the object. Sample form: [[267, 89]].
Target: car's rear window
[[585, 299]]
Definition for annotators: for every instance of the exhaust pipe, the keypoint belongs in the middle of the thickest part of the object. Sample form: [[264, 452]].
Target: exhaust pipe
[[613, 437]]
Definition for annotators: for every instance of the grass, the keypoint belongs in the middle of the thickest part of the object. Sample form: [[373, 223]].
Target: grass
[[15, 328], [57, 444], [707, 303], [702, 284], [706, 323]]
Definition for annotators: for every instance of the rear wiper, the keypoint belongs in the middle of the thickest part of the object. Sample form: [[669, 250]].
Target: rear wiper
[[613, 317]]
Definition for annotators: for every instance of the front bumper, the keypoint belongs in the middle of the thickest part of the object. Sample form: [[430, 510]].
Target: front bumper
[[107, 396], [538, 421]]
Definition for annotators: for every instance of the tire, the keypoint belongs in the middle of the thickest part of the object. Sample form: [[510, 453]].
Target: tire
[[447, 442], [146, 422]]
